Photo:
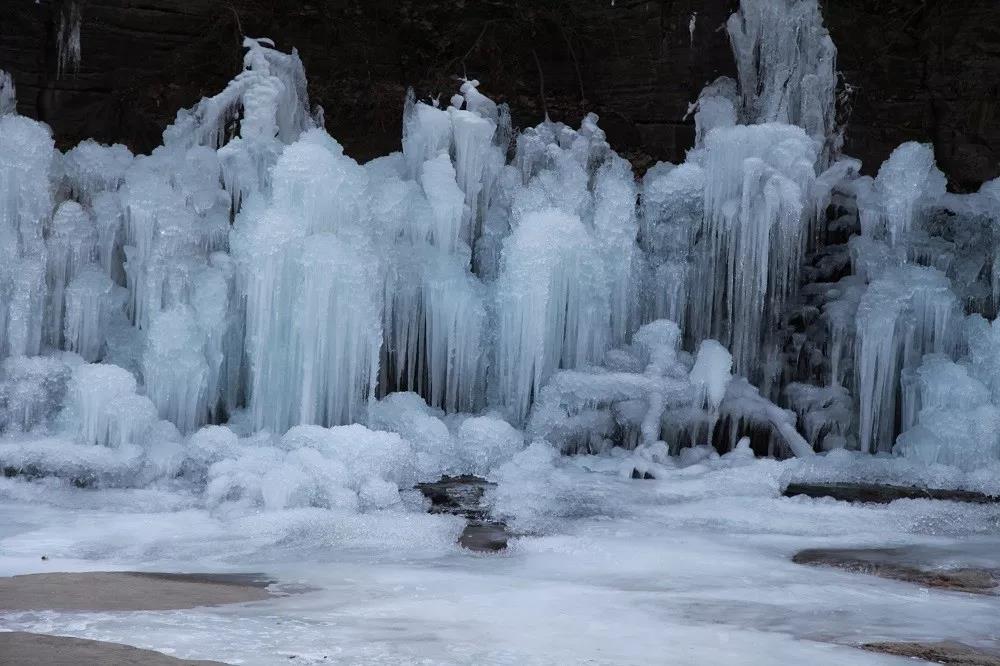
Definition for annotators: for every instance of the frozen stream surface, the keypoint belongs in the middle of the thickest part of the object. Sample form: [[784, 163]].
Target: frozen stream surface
[[691, 568]]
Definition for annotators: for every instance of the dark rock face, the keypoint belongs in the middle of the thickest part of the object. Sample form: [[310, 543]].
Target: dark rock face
[[928, 71]]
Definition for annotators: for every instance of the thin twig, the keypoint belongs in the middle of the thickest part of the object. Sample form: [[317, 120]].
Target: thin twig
[[541, 84], [576, 64]]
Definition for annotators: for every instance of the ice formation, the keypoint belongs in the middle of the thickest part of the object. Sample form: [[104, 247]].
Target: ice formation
[[252, 310]]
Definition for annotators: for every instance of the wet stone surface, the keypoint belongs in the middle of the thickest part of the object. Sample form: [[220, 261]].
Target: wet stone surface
[[19, 648], [883, 494], [956, 654], [924, 566], [463, 496], [128, 590]]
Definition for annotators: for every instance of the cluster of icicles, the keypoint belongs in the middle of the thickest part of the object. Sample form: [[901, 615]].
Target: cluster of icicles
[[249, 271]]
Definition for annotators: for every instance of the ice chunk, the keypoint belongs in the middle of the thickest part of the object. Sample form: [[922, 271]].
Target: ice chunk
[[426, 133], [91, 168], [93, 387], [32, 390], [485, 442], [408, 415], [716, 107], [710, 373], [906, 182], [949, 417]]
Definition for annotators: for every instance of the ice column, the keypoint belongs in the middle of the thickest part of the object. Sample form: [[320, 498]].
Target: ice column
[[908, 312], [752, 235], [553, 305]]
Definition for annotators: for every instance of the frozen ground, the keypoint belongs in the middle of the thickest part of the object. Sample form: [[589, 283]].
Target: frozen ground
[[690, 568]]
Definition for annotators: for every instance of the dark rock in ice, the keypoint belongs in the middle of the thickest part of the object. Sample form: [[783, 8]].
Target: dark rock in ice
[[463, 496], [458, 495], [926, 566], [945, 652], [484, 536], [883, 494]]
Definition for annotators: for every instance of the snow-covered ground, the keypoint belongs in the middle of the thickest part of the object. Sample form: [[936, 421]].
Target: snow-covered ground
[[691, 568]]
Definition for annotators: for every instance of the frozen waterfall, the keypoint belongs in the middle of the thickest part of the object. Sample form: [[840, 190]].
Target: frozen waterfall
[[251, 307]]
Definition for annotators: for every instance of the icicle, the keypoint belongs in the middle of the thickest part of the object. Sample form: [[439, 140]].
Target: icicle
[[615, 229], [426, 133], [756, 182], [8, 94], [109, 219], [908, 312], [553, 305], [450, 213], [72, 243], [174, 369], [455, 334], [68, 37], [26, 150], [91, 299]]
